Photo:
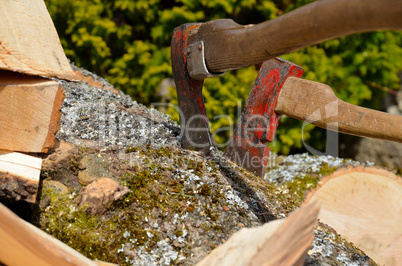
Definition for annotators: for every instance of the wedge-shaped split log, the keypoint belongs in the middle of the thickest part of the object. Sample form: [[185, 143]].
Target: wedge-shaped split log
[[29, 41], [280, 242], [29, 112], [19, 176], [24, 244], [258, 122]]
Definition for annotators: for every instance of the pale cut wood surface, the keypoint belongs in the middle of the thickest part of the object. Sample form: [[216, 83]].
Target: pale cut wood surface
[[20, 164], [23, 244], [231, 46], [29, 42], [364, 205], [29, 112], [316, 103], [280, 242], [19, 176], [290, 243]]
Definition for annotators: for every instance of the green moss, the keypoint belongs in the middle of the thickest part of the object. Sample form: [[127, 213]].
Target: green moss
[[158, 192], [300, 185], [90, 235], [325, 170], [217, 227], [191, 148], [74, 162], [131, 149], [150, 152], [196, 166], [211, 214], [178, 233], [297, 187], [72, 225], [217, 196], [205, 190]]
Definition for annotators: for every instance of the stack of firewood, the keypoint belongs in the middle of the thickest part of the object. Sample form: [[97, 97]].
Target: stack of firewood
[[31, 62], [30, 56]]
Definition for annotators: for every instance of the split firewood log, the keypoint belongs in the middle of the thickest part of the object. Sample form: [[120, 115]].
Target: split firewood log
[[24, 244], [19, 176], [29, 41], [364, 205], [280, 242], [29, 112]]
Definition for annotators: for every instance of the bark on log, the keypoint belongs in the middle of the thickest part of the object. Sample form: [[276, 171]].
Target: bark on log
[[19, 176], [364, 205], [29, 42], [29, 112]]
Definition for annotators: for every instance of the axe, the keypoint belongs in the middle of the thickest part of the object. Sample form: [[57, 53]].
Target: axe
[[278, 91], [202, 50]]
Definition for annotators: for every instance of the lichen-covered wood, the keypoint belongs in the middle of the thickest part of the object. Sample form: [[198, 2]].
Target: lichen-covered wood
[[364, 205], [181, 204], [180, 207]]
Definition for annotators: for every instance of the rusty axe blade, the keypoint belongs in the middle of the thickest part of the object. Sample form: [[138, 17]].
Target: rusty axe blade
[[258, 122], [193, 119]]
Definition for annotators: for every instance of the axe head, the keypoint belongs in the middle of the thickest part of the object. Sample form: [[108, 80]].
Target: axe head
[[258, 122], [193, 120]]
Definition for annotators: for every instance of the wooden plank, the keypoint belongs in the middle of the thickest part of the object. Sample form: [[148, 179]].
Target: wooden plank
[[29, 42], [364, 205], [19, 176], [23, 244], [280, 242], [29, 112]]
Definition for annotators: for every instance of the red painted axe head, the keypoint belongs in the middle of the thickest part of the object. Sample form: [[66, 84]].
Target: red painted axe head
[[193, 120], [258, 122]]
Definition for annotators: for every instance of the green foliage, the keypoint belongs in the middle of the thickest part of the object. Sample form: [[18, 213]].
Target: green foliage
[[128, 42]]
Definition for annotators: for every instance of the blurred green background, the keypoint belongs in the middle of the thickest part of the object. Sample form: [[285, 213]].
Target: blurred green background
[[128, 43]]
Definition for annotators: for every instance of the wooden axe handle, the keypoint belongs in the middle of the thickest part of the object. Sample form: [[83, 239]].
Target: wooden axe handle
[[231, 46], [317, 104]]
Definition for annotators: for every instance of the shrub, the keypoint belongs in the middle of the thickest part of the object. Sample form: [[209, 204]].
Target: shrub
[[128, 42]]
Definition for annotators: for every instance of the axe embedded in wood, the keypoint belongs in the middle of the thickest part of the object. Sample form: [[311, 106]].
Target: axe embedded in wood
[[258, 122], [278, 90], [193, 119], [202, 50]]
